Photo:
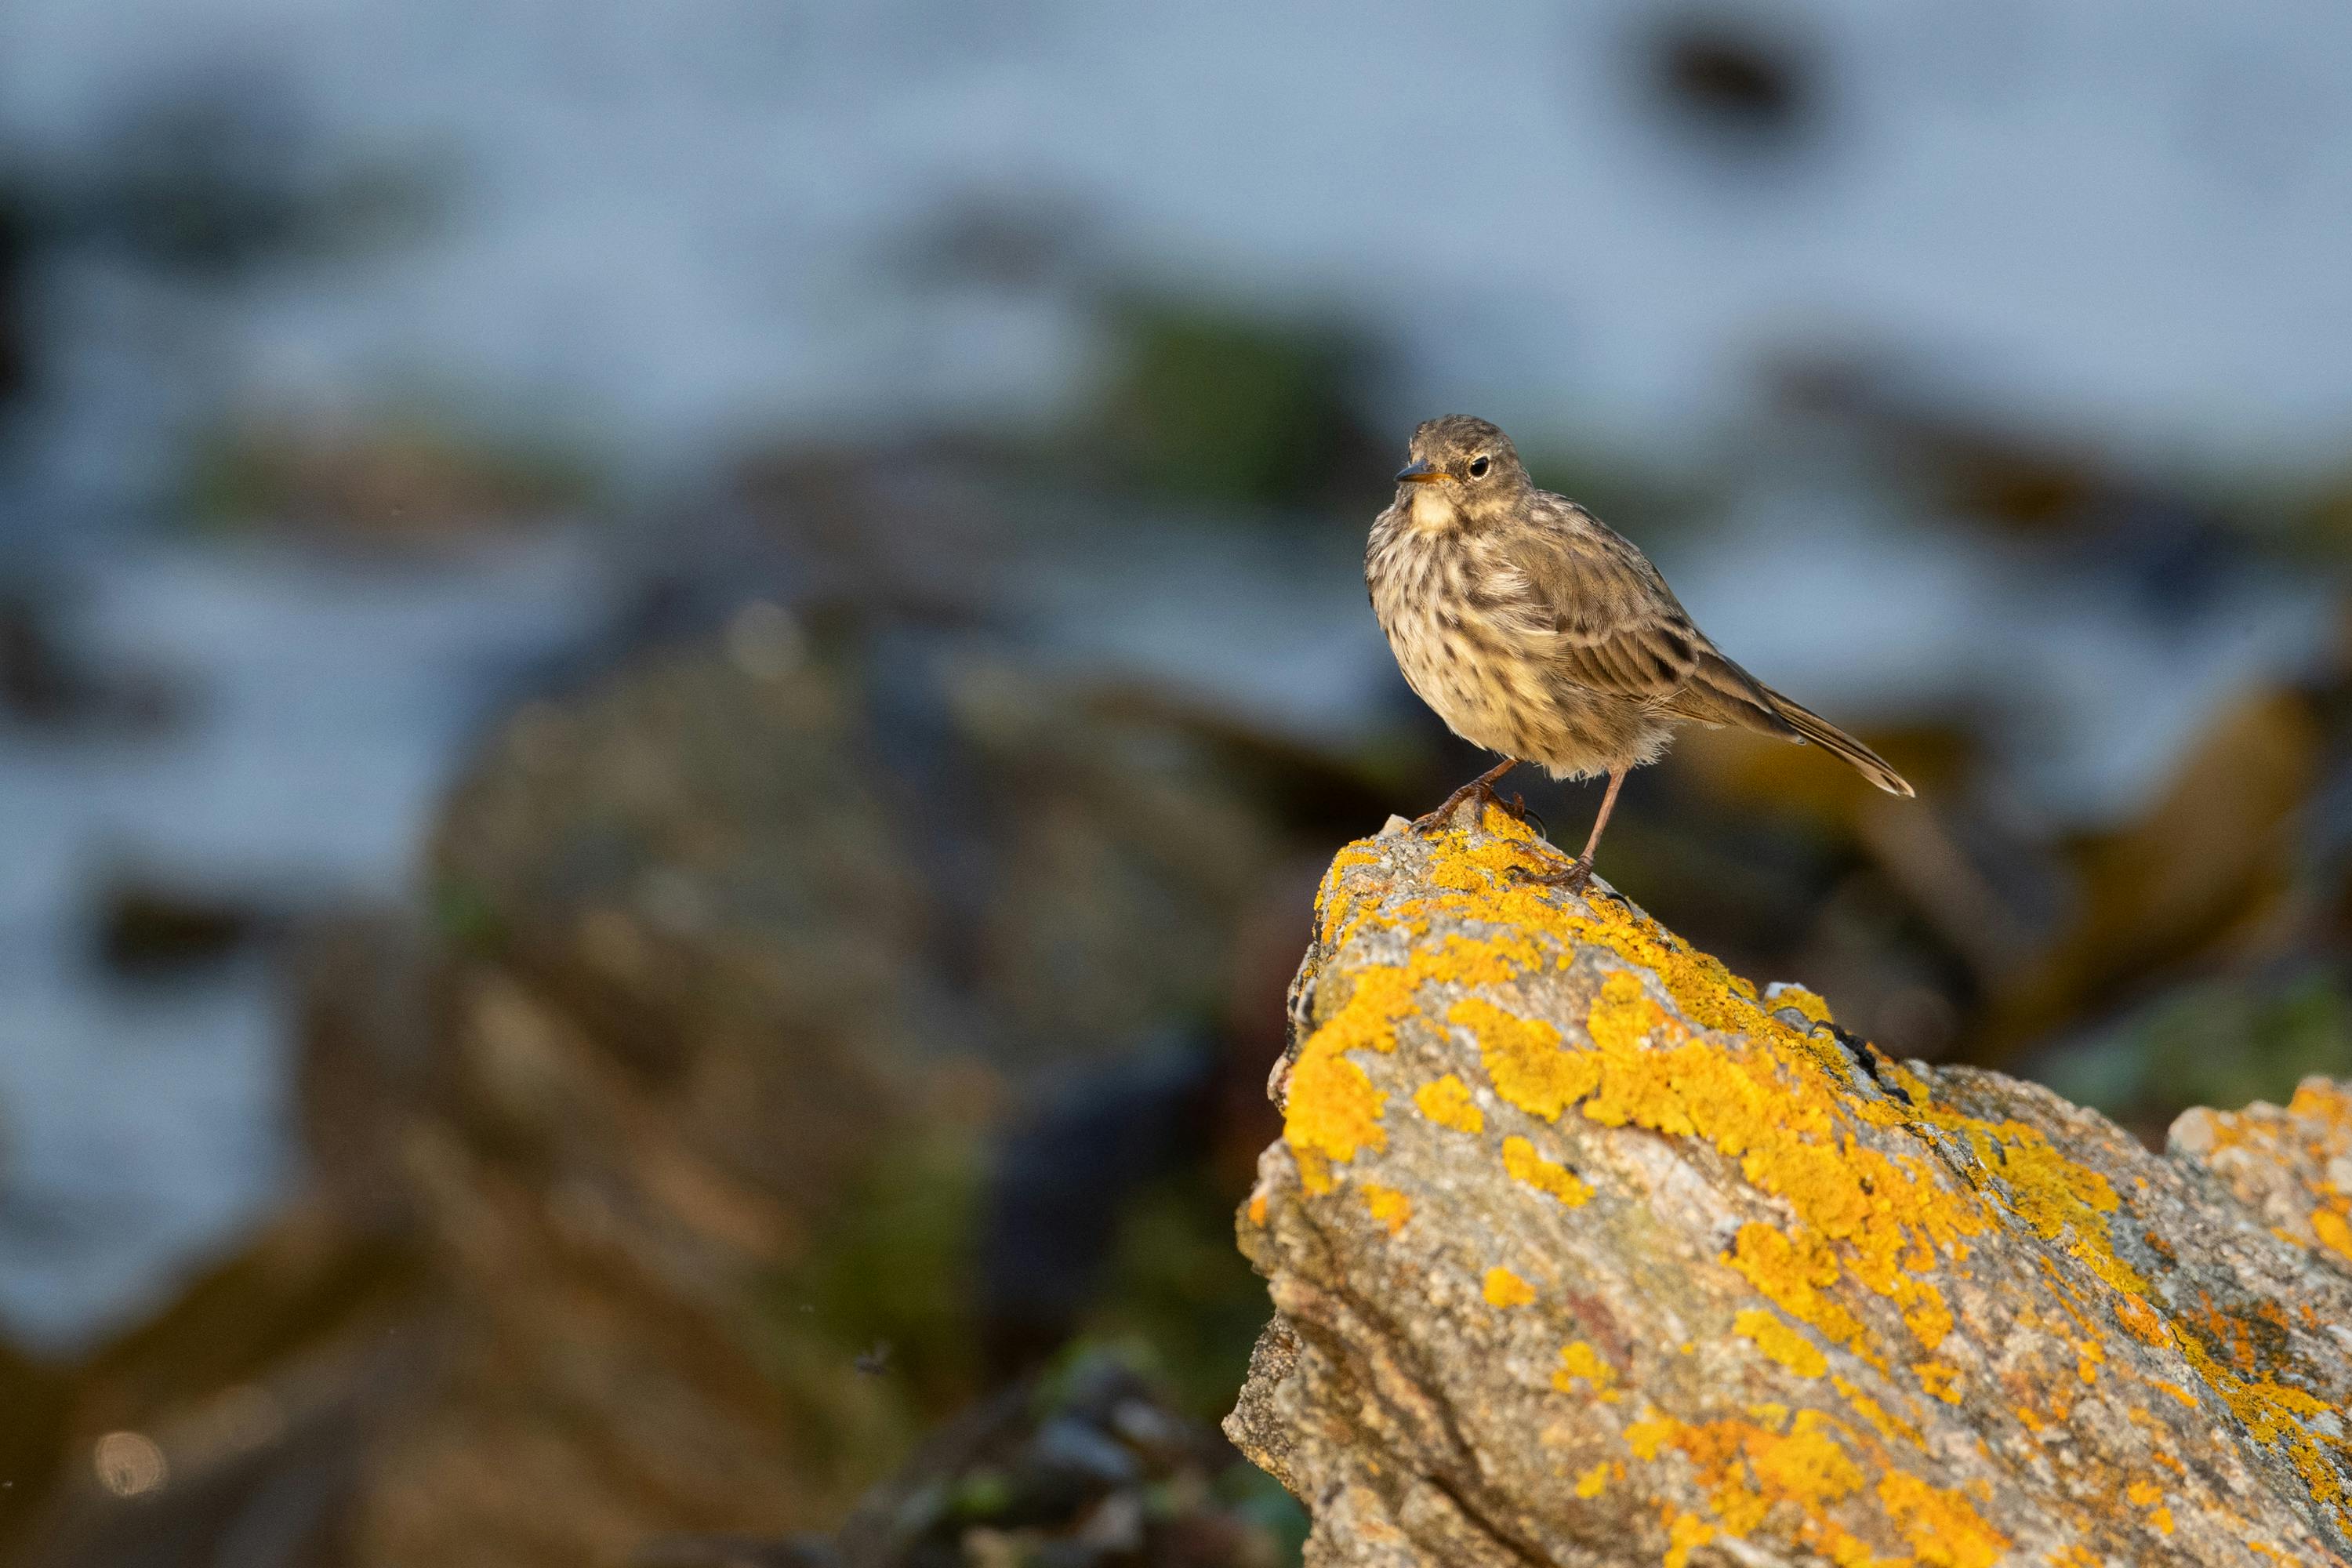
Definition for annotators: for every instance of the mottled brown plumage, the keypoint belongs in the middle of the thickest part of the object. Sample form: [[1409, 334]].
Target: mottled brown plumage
[[1536, 632]]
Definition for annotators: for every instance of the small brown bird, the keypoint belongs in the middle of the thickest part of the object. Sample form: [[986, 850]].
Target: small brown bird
[[1536, 632]]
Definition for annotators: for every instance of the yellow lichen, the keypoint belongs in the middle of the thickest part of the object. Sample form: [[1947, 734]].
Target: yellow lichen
[[1525, 1058], [1333, 1111], [1792, 1272], [1799, 1474], [1389, 1206], [1644, 1437], [1781, 1342], [2275, 1412], [1504, 1289], [1590, 1482], [2149, 1496], [1888, 1426], [1939, 1379], [1786, 1104], [1524, 1163], [1807, 1465], [1940, 1526], [1622, 1016], [1896, 1217], [1447, 1102], [1579, 1360], [1815, 1009], [1889, 1217], [2140, 1321], [1685, 1534], [2324, 1101]]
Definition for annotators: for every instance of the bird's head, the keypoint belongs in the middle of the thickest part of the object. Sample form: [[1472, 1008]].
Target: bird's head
[[1465, 465]]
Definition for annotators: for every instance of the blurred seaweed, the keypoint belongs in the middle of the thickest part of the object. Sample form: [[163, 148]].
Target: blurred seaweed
[[1208, 402]]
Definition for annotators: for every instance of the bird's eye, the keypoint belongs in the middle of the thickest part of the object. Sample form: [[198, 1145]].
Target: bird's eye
[[1478, 467]]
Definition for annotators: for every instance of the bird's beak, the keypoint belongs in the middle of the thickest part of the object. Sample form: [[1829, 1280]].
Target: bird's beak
[[1422, 472]]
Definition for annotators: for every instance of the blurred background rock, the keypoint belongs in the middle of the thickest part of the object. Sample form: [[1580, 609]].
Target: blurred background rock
[[672, 682]]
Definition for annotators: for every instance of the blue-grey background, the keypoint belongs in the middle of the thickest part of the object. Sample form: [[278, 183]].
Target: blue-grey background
[[1982, 372]]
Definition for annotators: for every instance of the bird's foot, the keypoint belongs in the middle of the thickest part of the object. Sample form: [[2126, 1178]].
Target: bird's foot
[[1576, 876], [1479, 790]]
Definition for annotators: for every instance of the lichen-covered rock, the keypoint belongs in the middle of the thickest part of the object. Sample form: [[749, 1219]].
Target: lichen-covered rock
[[1585, 1251], [2292, 1167]]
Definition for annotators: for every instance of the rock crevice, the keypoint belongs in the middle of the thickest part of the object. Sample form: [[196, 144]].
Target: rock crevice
[[1586, 1251]]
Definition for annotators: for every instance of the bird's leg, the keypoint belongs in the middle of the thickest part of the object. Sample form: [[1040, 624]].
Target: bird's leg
[[1579, 871], [1484, 784]]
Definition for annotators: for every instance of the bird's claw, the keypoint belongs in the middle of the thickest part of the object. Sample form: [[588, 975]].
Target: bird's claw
[[1576, 876], [1477, 789]]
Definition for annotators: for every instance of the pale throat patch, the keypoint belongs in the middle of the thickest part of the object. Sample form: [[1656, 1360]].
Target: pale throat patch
[[1431, 511]]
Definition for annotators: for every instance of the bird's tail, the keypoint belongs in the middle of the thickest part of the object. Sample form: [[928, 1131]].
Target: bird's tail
[[1830, 737]]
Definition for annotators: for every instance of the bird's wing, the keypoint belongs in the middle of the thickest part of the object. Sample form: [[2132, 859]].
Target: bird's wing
[[1614, 626]]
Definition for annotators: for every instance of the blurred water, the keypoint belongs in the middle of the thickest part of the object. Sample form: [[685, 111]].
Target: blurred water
[[2088, 701], [667, 224], [140, 1122], [1268, 624]]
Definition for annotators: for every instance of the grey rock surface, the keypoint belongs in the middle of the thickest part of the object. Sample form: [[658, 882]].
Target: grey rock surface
[[1586, 1251]]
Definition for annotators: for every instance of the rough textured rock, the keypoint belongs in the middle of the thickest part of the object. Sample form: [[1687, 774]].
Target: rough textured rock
[[1585, 1251]]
